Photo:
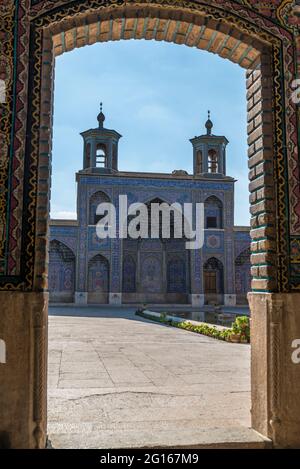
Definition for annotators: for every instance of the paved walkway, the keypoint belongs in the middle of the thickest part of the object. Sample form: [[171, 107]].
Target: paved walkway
[[117, 380]]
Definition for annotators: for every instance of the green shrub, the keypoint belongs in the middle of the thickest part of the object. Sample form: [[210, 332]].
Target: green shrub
[[163, 317], [240, 328]]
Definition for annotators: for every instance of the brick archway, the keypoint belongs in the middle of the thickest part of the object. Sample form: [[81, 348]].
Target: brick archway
[[265, 44]]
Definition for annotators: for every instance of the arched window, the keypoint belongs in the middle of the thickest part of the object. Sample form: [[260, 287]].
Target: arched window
[[101, 156], [213, 213], [213, 161], [96, 199], [199, 162]]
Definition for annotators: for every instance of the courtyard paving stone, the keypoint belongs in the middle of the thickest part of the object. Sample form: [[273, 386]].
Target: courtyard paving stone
[[117, 380]]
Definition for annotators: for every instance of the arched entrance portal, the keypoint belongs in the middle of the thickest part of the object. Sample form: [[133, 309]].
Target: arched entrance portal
[[265, 44], [213, 281]]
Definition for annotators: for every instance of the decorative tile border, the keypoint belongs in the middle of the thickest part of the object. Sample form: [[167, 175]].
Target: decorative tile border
[[24, 170]]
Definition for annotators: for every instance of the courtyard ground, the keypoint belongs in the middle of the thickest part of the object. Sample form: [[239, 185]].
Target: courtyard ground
[[116, 380]]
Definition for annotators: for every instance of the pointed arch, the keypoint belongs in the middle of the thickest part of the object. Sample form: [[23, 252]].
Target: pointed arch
[[61, 275], [101, 155], [96, 199], [213, 212], [213, 161]]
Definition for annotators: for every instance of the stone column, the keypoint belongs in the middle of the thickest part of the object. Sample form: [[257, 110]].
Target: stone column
[[205, 159], [23, 376], [275, 366], [93, 153], [109, 155], [224, 159]]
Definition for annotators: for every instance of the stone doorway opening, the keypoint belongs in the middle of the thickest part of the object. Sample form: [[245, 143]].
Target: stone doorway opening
[[77, 363], [250, 55]]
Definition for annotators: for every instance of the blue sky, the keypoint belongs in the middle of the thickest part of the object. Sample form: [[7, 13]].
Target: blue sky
[[156, 95]]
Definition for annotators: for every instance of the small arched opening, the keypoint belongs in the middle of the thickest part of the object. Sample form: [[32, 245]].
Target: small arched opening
[[101, 158], [213, 281]]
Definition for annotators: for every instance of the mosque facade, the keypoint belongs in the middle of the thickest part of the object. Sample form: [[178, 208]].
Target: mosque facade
[[84, 268]]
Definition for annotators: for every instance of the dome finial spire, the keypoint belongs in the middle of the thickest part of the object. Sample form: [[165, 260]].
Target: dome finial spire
[[209, 125], [101, 117]]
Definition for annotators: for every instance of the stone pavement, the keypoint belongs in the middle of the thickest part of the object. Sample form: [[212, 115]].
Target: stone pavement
[[117, 380]]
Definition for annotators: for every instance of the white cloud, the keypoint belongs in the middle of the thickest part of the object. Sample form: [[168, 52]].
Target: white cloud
[[63, 215]]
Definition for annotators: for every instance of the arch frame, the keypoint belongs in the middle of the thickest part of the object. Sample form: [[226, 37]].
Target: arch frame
[[215, 204], [25, 139], [58, 247], [94, 258], [90, 200], [65, 243]]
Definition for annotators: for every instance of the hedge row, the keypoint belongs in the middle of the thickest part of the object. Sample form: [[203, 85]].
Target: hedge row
[[238, 333]]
